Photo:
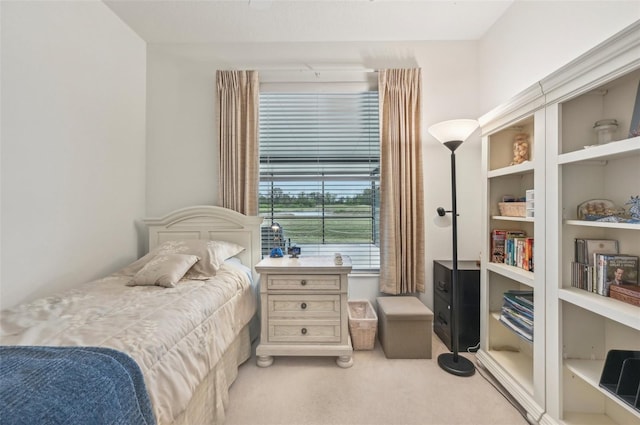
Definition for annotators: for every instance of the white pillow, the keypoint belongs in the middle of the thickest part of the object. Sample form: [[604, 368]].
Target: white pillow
[[164, 270], [211, 253]]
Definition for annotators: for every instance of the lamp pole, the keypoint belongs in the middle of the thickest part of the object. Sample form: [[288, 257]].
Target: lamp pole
[[452, 362], [451, 134]]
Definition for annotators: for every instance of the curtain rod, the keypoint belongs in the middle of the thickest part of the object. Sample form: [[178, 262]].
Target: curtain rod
[[318, 71]]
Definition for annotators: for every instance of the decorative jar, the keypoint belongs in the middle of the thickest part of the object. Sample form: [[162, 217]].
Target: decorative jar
[[605, 130]]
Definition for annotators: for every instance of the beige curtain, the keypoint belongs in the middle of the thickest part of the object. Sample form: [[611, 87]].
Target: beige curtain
[[401, 186], [237, 106]]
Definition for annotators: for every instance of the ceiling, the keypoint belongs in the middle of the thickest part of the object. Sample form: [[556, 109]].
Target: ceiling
[[255, 21]]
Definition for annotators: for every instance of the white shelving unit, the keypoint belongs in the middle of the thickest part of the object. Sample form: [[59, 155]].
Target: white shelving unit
[[556, 378], [583, 326], [517, 362]]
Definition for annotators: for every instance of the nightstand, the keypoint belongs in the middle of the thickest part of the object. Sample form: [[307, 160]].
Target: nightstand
[[304, 309]]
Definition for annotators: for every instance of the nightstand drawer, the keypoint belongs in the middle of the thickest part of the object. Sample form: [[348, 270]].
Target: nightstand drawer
[[303, 282], [304, 306], [304, 331]]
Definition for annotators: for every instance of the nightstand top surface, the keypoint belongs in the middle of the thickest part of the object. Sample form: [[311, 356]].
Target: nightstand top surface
[[303, 262]]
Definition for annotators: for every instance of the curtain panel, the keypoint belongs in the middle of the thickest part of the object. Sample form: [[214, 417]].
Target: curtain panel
[[402, 238], [237, 108]]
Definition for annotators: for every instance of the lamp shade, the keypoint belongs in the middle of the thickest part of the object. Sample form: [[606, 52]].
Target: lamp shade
[[453, 130]]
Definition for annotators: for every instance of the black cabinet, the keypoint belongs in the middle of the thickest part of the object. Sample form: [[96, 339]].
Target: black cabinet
[[468, 303]]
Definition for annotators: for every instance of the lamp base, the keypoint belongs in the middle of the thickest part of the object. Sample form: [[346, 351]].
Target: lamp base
[[463, 367]]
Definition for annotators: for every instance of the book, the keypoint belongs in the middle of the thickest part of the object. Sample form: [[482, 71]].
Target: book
[[615, 269], [520, 302], [528, 335]]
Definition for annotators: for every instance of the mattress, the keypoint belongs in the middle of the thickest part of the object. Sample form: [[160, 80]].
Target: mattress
[[176, 335]]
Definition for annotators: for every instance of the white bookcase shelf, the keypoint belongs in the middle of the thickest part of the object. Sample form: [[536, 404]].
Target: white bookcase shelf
[[612, 150], [623, 313], [602, 225], [516, 274], [512, 170], [506, 218], [556, 377]]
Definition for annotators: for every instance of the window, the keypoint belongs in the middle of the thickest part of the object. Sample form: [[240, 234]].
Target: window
[[319, 174]]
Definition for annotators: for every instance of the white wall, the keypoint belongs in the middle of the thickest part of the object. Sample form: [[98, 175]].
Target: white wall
[[182, 158], [73, 145], [535, 38]]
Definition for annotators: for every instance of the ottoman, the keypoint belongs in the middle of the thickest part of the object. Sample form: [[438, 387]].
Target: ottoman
[[404, 328]]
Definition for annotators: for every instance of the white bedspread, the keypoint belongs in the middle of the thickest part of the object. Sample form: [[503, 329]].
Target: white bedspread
[[176, 335]]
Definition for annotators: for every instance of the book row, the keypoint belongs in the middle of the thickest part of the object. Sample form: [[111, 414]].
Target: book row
[[512, 247], [598, 267]]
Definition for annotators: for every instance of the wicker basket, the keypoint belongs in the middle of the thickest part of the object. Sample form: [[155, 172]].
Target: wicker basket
[[363, 324], [513, 209]]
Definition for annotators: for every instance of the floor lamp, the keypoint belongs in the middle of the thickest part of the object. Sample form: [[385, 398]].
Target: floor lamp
[[451, 134]]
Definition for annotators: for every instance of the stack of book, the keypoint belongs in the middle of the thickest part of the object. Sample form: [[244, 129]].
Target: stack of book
[[517, 313], [599, 266], [512, 247]]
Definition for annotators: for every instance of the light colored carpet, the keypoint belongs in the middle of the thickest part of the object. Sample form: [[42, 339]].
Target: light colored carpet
[[374, 391]]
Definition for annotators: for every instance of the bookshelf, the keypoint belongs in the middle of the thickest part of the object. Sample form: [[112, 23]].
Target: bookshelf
[[556, 377], [517, 362], [590, 324]]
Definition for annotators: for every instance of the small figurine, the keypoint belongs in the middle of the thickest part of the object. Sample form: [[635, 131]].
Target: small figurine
[[634, 210]]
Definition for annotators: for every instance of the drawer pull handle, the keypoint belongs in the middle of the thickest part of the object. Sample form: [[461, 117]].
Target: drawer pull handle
[[303, 282], [442, 286], [442, 319], [304, 331], [303, 306]]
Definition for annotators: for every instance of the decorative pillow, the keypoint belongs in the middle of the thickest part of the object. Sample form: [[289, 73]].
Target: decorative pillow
[[164, 270], [211, 253]]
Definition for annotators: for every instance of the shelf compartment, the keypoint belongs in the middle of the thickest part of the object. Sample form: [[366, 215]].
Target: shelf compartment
[[617, 311], [518, 365], [515, 273], [501, 147], [514, 371], [590, 371]]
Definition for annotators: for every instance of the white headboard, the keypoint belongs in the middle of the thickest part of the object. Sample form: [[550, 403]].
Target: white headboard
[[209, 223]]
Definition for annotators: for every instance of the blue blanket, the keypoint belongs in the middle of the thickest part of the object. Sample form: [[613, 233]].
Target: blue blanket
[[71, 385]]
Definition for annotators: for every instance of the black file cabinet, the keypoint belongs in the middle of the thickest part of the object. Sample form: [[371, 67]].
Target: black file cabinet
[[468, 303]]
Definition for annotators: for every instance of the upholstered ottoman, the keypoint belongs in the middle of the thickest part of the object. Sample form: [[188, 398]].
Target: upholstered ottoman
[[404, 327]]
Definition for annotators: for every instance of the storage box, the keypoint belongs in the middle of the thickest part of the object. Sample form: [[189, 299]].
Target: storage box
[[405, 327], [512, 209], [363, 324], [627, 293]]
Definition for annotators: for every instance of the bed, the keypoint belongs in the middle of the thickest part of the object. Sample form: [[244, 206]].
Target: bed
[[187, 337]]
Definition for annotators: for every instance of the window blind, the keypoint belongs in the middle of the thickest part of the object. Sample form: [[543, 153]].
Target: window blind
[[319, 173]]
